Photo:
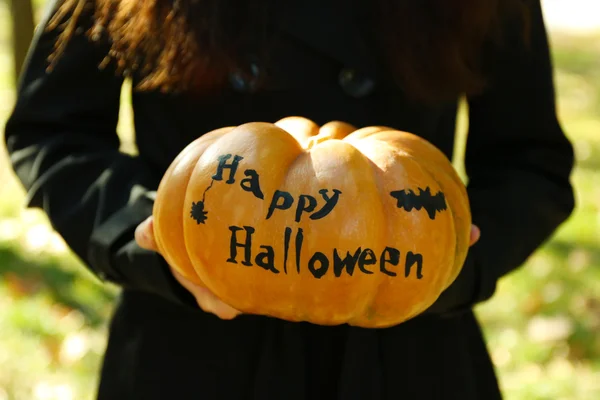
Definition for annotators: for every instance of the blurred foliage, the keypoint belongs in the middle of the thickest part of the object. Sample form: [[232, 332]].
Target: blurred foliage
[[542, 326]]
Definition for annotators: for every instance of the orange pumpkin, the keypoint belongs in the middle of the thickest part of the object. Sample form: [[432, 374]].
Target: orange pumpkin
[[328, 224]]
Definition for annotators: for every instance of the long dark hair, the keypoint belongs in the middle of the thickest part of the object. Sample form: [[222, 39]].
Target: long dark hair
[[434, 47]]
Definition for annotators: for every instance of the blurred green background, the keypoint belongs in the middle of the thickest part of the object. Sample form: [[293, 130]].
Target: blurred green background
[[542, 326]]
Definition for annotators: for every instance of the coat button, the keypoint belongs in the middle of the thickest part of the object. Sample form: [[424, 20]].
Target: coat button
[[246, 80], [355, 84]]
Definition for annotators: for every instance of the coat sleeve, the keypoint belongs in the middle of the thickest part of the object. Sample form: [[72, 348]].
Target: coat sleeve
[[518, 161], [63, 145]]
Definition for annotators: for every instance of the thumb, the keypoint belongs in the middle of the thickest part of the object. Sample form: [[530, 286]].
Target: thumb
[[144, 235]]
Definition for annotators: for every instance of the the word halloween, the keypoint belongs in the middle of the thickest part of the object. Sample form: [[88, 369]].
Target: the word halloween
[[319, 264]]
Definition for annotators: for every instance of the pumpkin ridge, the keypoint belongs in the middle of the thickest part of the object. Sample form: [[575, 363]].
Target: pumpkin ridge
[[423, 167], [260, 134], [184, 216], [192, 151], [397, 154], [457, 183], [440, 277], [157, 208], [300, 128], [385, 234], [188, 200], [457, 253], [359, 312], [454, 179], [367, 132], [380, 281], [451, 172], [457, 250], [284, 183], [186, 210]]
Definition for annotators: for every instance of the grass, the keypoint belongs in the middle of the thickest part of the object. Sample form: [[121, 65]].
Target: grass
[[542, 326]]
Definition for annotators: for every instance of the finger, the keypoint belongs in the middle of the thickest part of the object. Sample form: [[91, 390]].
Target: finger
[[144, 235], [224, 311], [475, 234], [212, 304], [206, 299]]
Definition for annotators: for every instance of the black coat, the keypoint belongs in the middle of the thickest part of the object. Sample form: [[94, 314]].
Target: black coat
[[63, 146]]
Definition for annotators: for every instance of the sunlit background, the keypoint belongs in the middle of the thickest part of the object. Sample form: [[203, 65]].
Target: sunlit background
[[542, 326]]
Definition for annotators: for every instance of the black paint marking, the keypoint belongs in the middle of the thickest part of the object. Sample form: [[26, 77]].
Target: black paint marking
[[283, 200], [287, 201], [266, 259], [306, 204], [408, 200], [251, 184], [330, 203], [218, 176], [286, 247], [299, 240], [323, 264], [411, 259], [389, 255], [349, 262], [367, 257], [319, 263], [247, 245], [198, 213]]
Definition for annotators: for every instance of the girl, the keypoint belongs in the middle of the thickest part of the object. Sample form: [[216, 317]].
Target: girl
[[198, 65]]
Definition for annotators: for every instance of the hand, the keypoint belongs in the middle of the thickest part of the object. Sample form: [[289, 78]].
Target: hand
[[207, 300]]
